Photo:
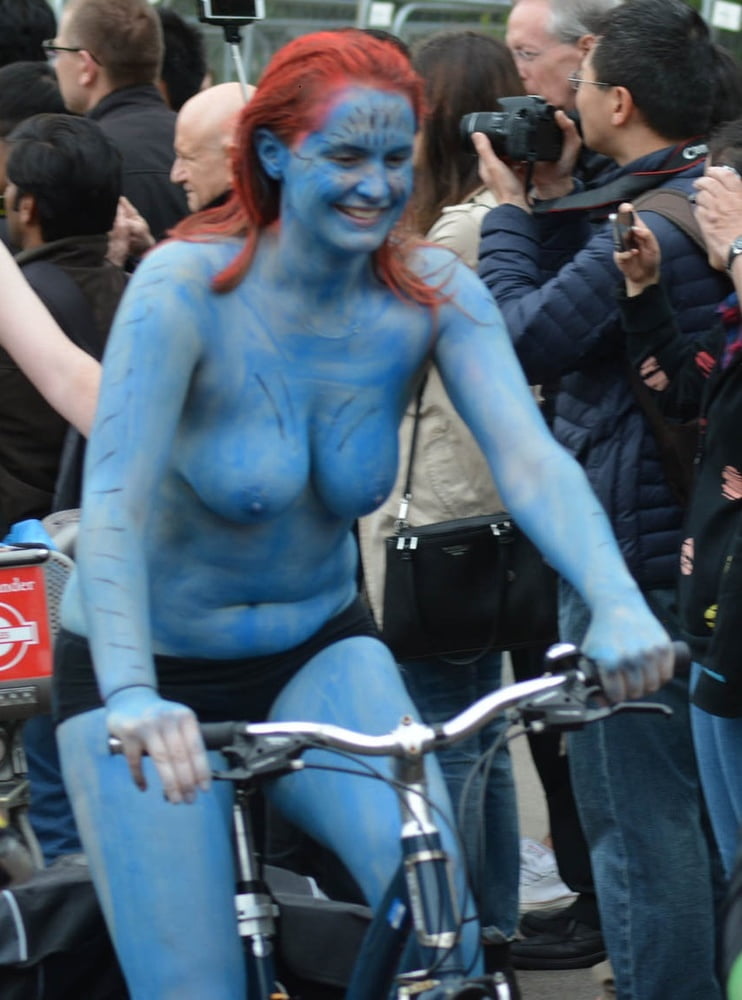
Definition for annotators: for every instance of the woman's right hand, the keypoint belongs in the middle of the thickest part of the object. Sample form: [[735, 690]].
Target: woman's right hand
[[168, 732], [640, 266]]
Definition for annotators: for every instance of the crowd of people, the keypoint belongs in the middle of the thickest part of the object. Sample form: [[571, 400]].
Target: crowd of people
[[255, 284]]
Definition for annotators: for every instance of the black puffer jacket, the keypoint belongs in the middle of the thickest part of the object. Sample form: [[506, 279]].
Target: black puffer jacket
[[698, 378], [555, 280]]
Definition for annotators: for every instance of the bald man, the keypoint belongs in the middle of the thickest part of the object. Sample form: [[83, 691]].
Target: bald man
[[203, 138]]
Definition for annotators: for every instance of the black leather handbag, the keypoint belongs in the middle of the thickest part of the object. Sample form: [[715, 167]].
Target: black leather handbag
[[459, 589]]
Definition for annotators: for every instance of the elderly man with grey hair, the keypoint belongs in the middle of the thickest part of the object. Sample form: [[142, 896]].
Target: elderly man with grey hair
[[548, 39]]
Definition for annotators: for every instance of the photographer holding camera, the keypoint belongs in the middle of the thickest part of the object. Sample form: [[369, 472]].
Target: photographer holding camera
[[554, 277]]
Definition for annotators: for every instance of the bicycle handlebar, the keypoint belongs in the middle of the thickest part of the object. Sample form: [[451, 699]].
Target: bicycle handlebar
[[409, 736], [568, 699]]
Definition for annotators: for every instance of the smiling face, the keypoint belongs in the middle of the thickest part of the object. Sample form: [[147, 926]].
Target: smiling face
[[348, 182]]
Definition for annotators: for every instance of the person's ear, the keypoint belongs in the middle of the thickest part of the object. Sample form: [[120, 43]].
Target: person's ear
[[272, 152], [585, 43], [88, 68], [25, 206], [623, 106]]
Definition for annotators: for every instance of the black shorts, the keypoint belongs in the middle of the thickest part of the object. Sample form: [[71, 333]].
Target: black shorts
[[216, 690]]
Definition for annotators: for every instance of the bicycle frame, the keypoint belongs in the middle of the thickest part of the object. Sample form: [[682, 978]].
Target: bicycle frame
[[421, 895]]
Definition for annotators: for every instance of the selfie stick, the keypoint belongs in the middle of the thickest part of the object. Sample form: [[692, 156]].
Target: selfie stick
[[233, 38]]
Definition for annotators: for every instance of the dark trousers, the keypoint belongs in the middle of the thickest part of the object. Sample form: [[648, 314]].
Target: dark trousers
[[552, 765]]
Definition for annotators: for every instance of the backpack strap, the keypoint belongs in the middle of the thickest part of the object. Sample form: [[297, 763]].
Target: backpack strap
[[677, 442], [673, 205]]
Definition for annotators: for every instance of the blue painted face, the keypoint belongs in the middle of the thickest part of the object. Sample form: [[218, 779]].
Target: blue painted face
[[349, 182]]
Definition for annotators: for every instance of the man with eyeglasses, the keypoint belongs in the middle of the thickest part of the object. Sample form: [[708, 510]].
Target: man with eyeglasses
[[548, 40], [108, 55], [645, 97]]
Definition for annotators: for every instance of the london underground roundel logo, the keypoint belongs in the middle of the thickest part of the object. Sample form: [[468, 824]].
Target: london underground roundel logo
[[16, 635]]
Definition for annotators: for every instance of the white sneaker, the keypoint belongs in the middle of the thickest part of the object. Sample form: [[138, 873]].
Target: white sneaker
[[540, 884]]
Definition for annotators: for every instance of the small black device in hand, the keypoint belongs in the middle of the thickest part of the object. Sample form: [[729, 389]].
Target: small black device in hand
[[623, 233], [230, 12]]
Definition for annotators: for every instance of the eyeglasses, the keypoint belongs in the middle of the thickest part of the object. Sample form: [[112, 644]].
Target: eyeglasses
[[577, 81], [51, 48], [528, 55]]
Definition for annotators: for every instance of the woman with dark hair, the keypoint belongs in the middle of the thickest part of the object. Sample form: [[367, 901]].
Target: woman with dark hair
[[252, 390], [463, 72]]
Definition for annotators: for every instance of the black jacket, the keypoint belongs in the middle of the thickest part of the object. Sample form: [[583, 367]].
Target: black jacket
[[689, 378], [32, 434], [142, 127], [554, 278]]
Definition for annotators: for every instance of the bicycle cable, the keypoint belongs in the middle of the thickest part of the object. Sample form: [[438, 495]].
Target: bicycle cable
[[369, 771]]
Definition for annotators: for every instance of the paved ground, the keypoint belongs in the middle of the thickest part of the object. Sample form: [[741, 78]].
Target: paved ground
[[578, 984]]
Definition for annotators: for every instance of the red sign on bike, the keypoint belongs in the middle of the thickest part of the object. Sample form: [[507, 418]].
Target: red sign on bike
[[25, 646]]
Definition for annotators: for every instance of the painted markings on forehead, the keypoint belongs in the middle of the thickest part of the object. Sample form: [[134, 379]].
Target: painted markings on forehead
[[370, 125]]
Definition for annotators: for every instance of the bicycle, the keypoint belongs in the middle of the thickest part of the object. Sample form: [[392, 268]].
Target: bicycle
[[420, 897], [32, 579]]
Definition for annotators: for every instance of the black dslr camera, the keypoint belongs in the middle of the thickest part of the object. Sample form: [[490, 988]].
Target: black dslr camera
[[524, 130]]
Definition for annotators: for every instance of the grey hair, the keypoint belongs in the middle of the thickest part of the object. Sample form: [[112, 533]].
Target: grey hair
[[569, 20]]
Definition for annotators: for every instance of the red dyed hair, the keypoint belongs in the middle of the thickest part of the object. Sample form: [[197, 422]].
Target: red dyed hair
[[290, 100]]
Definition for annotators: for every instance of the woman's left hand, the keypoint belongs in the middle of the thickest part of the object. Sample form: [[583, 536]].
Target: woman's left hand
[[634, 653]]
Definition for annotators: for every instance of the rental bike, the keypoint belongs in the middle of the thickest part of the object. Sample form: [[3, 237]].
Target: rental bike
[[32, 579], [421, 899]]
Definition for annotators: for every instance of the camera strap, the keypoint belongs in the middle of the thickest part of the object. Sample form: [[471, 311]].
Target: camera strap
[[628, 186]]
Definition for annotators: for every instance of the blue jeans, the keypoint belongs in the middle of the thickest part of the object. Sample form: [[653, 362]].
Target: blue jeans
[[490, 830], [50, 811], [654, 861], [718, 745]]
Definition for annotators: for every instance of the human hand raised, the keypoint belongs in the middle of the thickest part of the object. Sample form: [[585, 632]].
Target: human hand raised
[[130, 236], [718, 201], [634, 654], [549, 179], [505, 182], [640, 265], [554, 179], [170, 735]]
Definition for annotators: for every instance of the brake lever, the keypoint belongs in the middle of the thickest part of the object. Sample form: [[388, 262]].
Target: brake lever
[[254, 756], [569, 709], [581, 700]]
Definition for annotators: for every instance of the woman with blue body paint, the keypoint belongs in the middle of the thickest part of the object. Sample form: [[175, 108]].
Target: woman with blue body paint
[[252, 391]]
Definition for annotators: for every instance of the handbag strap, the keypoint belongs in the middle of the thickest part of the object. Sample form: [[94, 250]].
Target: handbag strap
[[404, 504], [401, 524]]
